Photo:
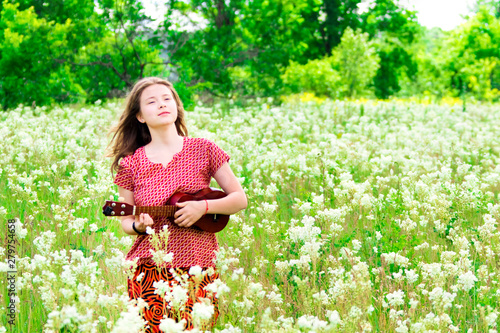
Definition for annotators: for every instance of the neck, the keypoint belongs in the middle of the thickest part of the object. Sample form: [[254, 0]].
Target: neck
[[164, 136]]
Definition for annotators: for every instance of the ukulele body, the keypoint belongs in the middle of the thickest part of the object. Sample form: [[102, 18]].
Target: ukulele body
[[209, 222]]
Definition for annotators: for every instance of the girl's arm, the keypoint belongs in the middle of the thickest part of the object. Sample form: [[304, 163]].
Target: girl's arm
[[142, 222], [235, 200]]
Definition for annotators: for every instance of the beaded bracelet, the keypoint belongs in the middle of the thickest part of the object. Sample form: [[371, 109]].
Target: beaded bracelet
[[138, 232]]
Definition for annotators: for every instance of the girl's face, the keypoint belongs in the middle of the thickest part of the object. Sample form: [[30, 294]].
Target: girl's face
[[158, 106]]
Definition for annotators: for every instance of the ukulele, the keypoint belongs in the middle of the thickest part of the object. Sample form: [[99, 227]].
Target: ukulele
[[209, 222]]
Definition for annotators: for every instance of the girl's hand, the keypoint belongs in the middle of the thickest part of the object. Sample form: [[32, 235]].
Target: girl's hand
[[189, 212], [144, 221]]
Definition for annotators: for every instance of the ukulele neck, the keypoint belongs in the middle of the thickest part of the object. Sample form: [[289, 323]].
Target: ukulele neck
[[167, 211]]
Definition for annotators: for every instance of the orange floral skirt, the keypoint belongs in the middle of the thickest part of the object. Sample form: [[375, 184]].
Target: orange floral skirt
[[141, 286]]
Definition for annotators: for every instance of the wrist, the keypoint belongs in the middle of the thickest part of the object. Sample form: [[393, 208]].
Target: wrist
[[138, 231], [205, 207]]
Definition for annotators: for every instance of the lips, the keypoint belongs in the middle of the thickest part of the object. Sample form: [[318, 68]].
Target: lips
[[163, 113]]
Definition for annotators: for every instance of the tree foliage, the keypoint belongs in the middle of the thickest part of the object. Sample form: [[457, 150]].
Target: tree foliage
[[476, 44], [357, 62], [85, 50], [464, 62], [395, 29], [110, 65], [28, 73], [346, 73], [66, 52]]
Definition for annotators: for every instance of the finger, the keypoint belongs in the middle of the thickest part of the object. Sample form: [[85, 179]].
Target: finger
[[184, 223], [182, 204], [179, 219], [178, 213], [182, 219], [189, 223], [145, 220]]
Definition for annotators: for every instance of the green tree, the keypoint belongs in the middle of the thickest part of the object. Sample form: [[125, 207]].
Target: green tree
[[492, 5], [84, 26], [241, 46], [474, 56], [464, 62], [110, 65], [338, 16], [316, 76], [245, 46], [74, 50], [356, 61], [431, 56], [348, 72], [28, 74], [395, 29]]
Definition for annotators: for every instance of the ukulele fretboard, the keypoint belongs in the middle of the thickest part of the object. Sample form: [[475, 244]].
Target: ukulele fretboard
[[167, 211]]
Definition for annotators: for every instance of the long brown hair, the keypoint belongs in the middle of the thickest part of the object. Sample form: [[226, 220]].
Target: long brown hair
[[131, 134]]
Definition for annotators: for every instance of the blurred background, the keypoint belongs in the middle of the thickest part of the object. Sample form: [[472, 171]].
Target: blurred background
[[238, 51]]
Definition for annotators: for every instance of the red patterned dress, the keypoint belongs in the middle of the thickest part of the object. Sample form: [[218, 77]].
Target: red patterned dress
[[189, 171]]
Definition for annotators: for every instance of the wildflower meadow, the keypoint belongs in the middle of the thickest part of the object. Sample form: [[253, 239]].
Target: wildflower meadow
[[363, 216]]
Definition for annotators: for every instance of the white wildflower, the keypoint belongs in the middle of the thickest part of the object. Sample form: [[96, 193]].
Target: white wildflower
[[466, 281], [195, 271], [169, 325], [396, 298]]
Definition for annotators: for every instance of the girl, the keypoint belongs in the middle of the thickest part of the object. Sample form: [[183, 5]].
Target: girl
[[154, 158]]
